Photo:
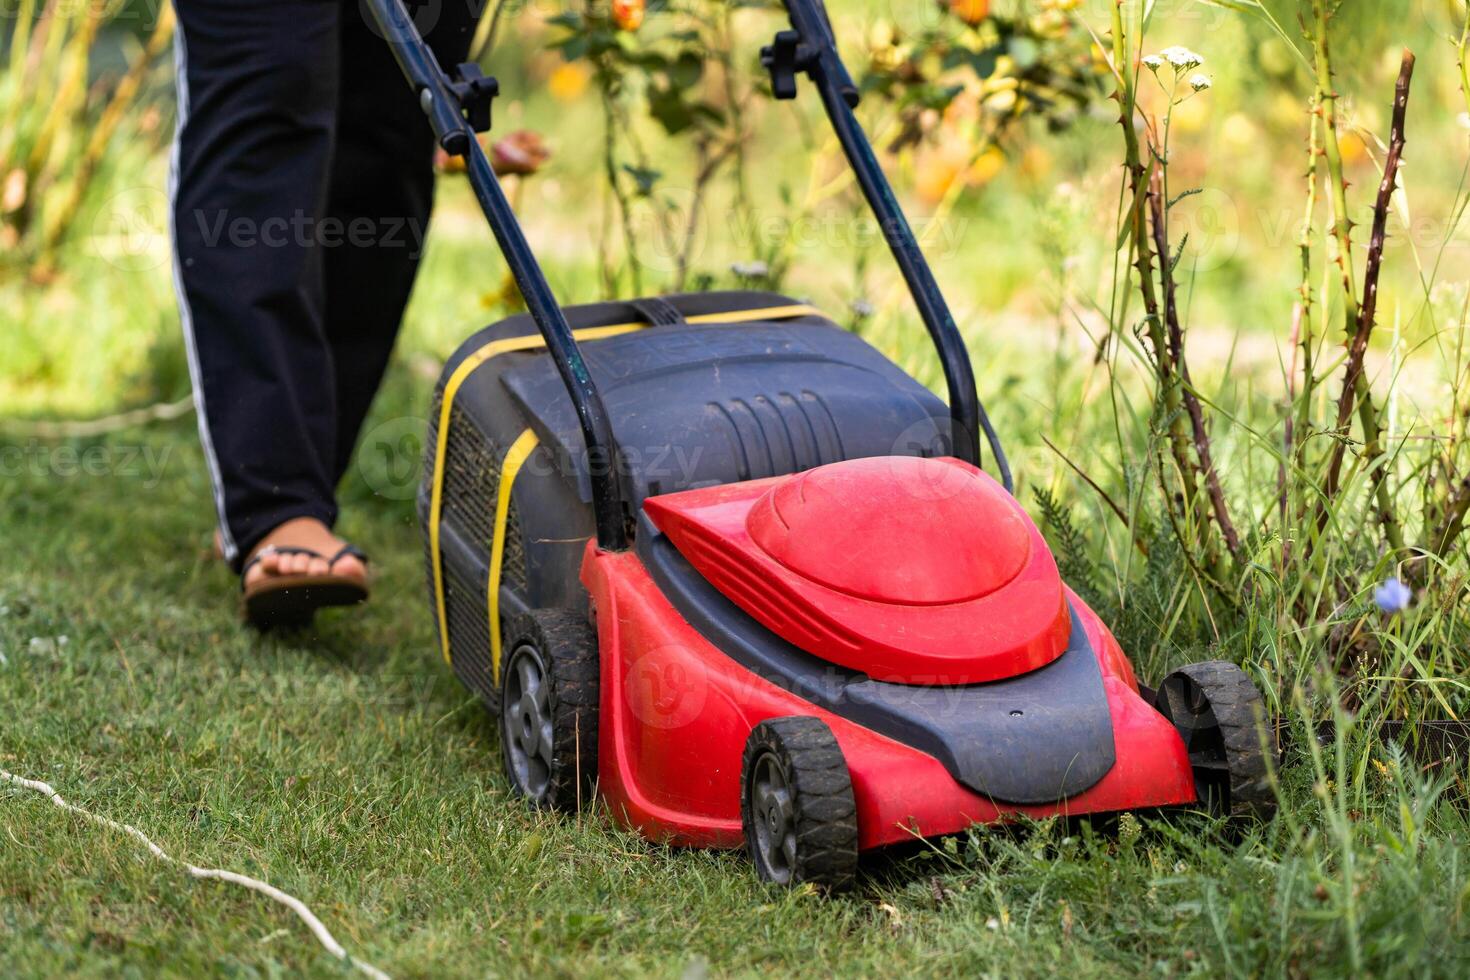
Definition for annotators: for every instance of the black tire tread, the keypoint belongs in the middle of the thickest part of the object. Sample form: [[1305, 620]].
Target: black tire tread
[[1240, 713], [824, 807], [568, 644]]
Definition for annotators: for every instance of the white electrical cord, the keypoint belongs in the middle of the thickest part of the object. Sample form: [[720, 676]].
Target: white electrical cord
[[274, 894]]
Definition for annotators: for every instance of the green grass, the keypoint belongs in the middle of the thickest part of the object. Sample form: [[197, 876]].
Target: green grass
[[350, 769]]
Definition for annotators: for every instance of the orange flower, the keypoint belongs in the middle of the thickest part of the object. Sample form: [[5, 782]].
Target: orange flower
[[972, 12], [628, 14]]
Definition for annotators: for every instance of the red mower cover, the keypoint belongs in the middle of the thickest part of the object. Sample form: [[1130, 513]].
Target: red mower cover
[[920, 571]]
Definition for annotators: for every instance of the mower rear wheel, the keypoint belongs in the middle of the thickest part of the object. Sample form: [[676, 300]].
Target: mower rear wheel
[[796, 805], [1221, 717], [548, 708]]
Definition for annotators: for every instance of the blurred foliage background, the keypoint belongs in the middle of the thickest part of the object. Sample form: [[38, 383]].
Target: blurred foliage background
[[644, 154], [86, 116]]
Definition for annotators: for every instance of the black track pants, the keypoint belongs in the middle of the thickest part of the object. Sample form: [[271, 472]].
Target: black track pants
[[301, 183]]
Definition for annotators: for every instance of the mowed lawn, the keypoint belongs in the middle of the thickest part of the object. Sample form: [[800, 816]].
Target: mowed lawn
[[350, 769]]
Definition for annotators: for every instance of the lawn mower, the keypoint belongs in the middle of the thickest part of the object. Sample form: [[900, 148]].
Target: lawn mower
[[716, 562]]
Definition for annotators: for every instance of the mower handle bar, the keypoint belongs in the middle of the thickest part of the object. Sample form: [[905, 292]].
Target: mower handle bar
[[445, 112], [839, 96], [453, 133]]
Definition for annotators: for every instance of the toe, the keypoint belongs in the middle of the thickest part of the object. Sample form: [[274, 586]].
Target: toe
[[349, 566]]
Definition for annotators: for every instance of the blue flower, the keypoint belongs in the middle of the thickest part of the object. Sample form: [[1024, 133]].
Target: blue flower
[[1393, 596]]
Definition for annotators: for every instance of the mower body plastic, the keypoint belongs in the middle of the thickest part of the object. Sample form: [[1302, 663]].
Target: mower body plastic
[[676, 711], [803, 545]]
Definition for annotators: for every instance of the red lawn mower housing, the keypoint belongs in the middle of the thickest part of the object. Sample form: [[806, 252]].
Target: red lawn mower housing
[[718, 563]]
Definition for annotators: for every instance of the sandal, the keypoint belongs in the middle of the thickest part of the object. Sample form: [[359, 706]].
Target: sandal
[[292, 600]]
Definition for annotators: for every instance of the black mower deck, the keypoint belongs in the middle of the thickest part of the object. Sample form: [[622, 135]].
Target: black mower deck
[[703, 389]]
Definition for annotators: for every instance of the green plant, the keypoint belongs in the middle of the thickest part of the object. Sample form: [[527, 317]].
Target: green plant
[[676, 68], [60, 126], [1341, 514]]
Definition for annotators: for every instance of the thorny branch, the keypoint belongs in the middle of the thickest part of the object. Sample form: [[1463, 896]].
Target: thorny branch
[[1359, 318], [1191, 401]]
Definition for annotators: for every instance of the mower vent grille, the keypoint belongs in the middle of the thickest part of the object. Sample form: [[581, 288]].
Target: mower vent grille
[[469, 633], [471, 484]]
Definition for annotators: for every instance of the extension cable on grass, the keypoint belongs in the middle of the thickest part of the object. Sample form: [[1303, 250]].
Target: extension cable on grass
[[274, 894]]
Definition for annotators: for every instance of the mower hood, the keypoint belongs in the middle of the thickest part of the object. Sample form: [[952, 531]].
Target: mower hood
[[910, 570]]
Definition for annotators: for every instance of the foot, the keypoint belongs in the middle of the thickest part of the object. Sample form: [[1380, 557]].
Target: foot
[[304, 532]]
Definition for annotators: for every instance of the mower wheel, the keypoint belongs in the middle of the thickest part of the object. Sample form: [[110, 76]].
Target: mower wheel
[[548, 708], [796, 804], [1220, 716]]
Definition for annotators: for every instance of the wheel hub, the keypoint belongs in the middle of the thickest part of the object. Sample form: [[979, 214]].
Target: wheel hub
[[770, 795], [526, 721]]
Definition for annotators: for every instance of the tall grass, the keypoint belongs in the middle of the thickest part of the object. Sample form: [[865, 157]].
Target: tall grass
[[62, 122], [1283, 532]]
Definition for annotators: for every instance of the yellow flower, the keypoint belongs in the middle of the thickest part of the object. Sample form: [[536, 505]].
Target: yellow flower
[[1001, 101], [1036, 162], [569, 81], [987, 167], [1354, 151], [934, 176]]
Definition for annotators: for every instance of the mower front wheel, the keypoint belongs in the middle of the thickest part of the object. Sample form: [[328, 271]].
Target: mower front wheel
[[1220, 715], [548, 708], [796, 805]]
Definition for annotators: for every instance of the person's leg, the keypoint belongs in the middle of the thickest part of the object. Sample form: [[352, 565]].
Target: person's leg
[[257, 86], [382, 188]]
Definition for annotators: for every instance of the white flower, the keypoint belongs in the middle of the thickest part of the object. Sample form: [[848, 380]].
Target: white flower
[[1182, 58], [751, 270], [1200, 82], [863, 308], [992, 923], [1153, 62]]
